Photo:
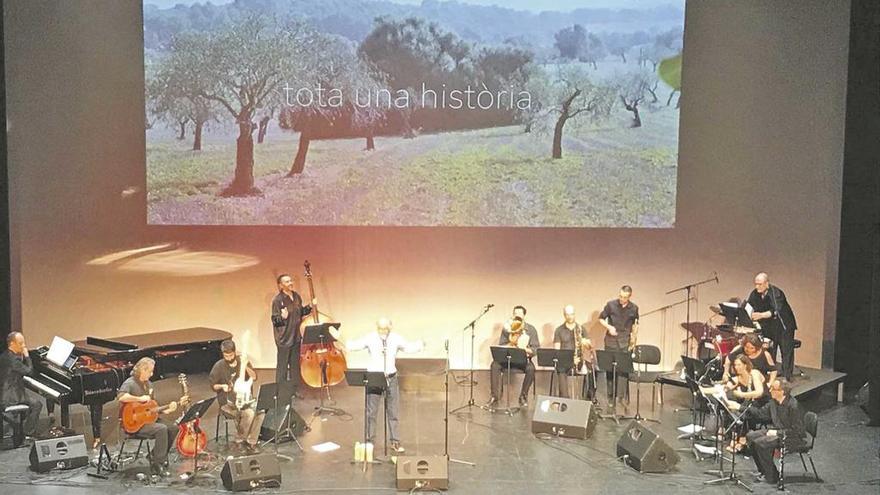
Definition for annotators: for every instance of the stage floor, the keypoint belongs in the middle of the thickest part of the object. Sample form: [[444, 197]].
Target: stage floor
[[508, 457]]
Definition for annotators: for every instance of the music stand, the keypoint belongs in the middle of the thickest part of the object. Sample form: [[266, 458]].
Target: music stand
[[736, 315], [694, 373], [320, 334], [368, 380], [509, 357], [559, 359], [270, 397], [736, 420], [616, 362], [194, 413]]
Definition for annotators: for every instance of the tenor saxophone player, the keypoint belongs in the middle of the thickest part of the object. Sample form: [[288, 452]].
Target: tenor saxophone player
[[572, 335], [520, 334]]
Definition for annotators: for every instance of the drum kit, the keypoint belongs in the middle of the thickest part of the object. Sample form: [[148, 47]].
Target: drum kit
[[720, 334]]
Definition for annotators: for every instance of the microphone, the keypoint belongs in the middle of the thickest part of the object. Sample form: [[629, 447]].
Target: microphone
[[716, 277]]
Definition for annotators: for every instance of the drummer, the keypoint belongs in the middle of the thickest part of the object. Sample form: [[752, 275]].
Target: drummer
[[752, 346]]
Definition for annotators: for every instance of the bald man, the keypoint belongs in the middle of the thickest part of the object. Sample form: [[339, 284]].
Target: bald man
[[15, 364], [568, 336], [383, 346], [771, 309]]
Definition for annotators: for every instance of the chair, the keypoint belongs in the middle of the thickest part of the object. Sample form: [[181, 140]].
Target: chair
[[226, 421], [811, 425], [123, 438], [518, 371], [18, 410], [644, 355]]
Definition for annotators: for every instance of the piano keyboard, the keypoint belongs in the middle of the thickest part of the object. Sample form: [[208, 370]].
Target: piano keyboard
[[42, 388]]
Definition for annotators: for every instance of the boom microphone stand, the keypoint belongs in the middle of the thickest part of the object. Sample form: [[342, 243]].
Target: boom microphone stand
[[689, 288], [471, 381]]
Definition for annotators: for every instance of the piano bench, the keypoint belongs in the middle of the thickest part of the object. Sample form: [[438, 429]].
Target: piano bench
[[18, 410]]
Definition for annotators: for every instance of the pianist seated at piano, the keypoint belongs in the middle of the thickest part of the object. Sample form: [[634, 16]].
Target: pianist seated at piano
[[226, 379], [15, 364], [138, 389]]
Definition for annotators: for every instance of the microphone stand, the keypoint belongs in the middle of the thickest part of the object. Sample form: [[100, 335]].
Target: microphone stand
[[446, 415], [470, 403], [689, 288]]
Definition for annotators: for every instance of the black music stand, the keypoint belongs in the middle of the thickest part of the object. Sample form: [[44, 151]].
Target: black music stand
[[736, 421], [562, 361], [369, 380], [270, 397], [695, 372], [319, 333], [615, 362], [509, 357], [196, 411], [737, 316]]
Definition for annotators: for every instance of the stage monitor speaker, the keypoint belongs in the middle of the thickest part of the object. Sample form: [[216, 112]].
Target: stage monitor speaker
[[267, 431], [564, 417], [645, 451], [416, 473], [249, 472], [59, 453]]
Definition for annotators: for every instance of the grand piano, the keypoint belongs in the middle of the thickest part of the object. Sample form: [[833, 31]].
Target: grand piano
[[101, 365]]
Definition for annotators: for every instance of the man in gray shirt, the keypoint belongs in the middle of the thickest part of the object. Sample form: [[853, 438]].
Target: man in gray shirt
[[138, 389]]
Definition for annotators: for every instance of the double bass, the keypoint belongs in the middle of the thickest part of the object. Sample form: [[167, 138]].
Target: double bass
[[320, 363]]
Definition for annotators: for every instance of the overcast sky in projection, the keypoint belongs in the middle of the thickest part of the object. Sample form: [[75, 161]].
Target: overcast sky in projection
[[535, 6]]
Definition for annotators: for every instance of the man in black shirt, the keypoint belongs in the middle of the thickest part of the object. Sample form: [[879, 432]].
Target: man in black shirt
[[620, 317], [787, 421], [138, 389], [287, 314], [771, 309], [571, 335], [15, 364], [496, 370]]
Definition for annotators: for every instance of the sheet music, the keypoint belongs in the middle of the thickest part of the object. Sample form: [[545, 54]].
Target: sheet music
[[59, 351], [749, 309]]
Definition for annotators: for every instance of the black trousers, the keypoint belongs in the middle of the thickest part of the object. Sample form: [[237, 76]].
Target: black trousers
[[588, 386], [287, 365], [497, 372], [784, 341], [163, 435], [762, 446], [618, 343], [35, 406]]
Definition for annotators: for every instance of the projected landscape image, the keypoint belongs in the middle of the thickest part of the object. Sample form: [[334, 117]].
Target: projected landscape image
[[402, 113]]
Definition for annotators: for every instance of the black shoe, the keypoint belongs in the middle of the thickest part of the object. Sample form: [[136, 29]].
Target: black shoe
[[252, 449], [523, 401], [759, 477], [397, 448], [492, 402], [160, 470]]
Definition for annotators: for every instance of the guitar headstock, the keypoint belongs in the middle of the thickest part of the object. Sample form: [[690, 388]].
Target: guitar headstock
[[181, 378], [308, 269]]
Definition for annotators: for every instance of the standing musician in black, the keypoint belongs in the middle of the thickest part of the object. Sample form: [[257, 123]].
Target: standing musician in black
[[620, 317], [287, 314], [496, 370], [771, 309], [572, 335]]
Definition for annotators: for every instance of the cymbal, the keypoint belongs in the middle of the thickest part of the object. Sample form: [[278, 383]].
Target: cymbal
[[715, 309]]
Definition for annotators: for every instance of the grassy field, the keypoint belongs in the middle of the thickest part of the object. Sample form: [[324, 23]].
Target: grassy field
[[609, 176]]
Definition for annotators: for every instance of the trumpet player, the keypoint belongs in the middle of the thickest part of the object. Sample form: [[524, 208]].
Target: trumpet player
[[572, 335], [620, 317], [516, 333]]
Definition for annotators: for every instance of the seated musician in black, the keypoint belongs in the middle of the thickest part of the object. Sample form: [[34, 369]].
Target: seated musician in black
[[786, 421], [223, 377], [571, 335], [496, 370], [752, 347], [138, 388], [15, 364]]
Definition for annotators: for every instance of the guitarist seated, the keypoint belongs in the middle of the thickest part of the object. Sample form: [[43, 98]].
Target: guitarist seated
[[247, 421], [137, 389]]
